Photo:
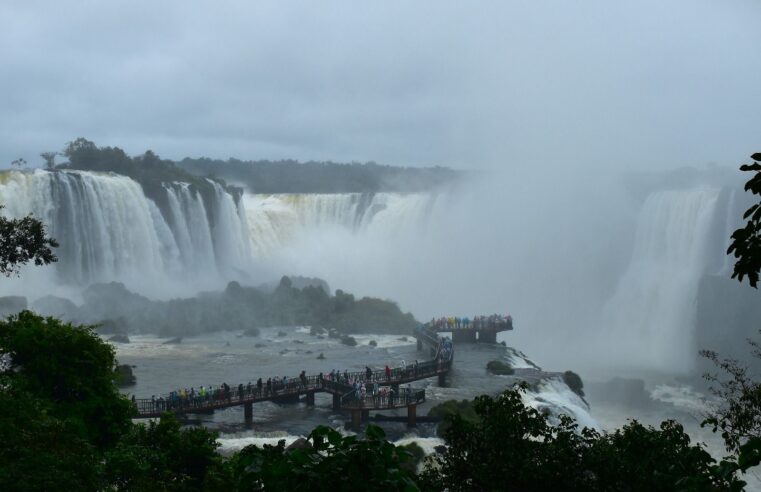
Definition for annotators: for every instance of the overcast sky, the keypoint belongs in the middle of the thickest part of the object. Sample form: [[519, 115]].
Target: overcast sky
[[584, 84]]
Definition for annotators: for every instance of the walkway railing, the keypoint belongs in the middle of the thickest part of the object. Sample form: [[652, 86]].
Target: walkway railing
[[369, 402], [337, 384]]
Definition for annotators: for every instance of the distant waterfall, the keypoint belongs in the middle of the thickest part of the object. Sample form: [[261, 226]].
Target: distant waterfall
[[109, 230], [649, 321], [276, 220]]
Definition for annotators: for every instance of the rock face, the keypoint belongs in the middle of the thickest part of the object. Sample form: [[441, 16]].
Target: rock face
[[299, 443], [12, 305], [622, 391], [124, 376], [59, 307]]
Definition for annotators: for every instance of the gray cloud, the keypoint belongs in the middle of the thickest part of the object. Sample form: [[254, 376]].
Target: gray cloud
[[588, 85]]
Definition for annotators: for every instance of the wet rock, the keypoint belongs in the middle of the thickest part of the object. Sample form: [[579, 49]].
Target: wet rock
[[440, 449], [124, 376], [299, 443], [251, 332], [259, 345], [321, 356], [373, 343], [316, 330], [350, 341], [281, 333], [12, 305], [59, 307]]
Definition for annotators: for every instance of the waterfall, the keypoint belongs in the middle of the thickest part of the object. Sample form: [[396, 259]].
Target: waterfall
[[193, 236], [649, 321], [230, 233], [104, 223], [109, 230], [278, 220]]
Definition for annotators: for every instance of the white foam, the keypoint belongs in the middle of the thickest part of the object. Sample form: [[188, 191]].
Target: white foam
[[554, 395]]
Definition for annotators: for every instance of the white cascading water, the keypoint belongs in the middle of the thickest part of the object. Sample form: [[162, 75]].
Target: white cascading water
[[110, 231], [190, 226], [277, 220], [651, 317], [230, 233], [103, 222]]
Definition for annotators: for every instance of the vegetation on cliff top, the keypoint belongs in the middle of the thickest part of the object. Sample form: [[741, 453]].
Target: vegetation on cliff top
[[236, 308]]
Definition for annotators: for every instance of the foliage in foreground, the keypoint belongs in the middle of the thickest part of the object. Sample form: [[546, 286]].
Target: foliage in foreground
[[64, 426], [329, 462], [513, 447], [746, 241], [21, 241]]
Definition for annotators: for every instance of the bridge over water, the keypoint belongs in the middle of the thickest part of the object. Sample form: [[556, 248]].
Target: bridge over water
[[390, 394]]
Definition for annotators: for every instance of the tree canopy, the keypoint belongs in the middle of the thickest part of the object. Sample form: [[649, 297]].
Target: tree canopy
[[746, 241], [24, 240]]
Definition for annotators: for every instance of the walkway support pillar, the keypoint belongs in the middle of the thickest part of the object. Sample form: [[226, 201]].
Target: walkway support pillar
[[411, 415], [395, 387], [487, 336], [310, 399], [464, 336], [419, 344], [442, 380], [248, 413], [365, 415], [356, 419], [336, 403]]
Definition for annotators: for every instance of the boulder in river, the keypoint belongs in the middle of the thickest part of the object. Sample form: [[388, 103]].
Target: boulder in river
[[124, 376]]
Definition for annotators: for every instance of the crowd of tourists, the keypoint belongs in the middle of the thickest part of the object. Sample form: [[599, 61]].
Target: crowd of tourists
[[492, 322], [365, 384], [375, 395]]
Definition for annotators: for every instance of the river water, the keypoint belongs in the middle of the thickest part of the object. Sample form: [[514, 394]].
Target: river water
[[234, 358]]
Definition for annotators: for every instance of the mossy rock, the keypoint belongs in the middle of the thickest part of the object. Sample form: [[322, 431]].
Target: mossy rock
[[449, 408], [415, 450], [500, 368]]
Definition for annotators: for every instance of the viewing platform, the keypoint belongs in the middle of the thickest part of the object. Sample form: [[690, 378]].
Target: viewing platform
[[340, 385], [384, 388], [482, 329]]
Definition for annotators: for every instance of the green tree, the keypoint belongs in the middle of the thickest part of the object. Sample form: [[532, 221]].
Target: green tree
[[68, 368], [746, 242], [162, 456], [514, 447], [39, 451], [329, 462], [21, 241], [49, 158]]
